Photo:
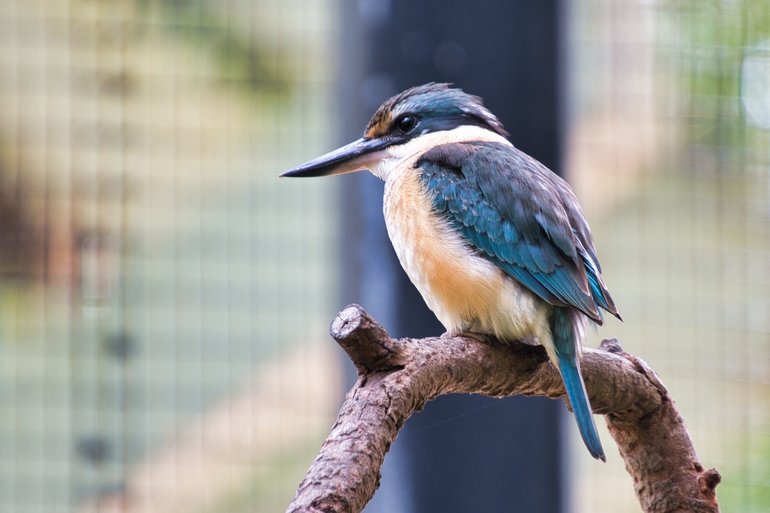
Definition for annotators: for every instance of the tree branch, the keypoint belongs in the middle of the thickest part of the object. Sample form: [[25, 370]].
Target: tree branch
[[397, 377]]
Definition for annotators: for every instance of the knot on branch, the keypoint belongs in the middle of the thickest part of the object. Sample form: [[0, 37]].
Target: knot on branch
[[709, 481]]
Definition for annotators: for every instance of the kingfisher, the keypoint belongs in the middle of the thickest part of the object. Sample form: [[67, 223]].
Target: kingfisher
[[494, 241]]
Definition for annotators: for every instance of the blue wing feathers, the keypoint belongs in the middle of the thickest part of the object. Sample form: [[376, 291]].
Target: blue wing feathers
[[509, 233], [514, 212], [543, 263], [561, 240], [593, 273]]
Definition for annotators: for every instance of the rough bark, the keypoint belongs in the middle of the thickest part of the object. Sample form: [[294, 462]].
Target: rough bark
[[397, 377]]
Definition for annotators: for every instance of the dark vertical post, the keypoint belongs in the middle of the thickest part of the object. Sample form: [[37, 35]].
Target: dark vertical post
[[461, 453]]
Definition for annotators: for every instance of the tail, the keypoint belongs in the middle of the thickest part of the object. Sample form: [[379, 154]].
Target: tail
[[565, 339]]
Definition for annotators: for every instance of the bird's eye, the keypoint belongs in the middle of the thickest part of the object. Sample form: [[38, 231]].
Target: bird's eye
[[406, 123]]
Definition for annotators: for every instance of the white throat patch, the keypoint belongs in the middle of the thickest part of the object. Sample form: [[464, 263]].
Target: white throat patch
[[402, 153]]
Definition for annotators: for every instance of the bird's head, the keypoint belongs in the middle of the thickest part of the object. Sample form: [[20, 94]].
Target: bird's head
[[399, 120]]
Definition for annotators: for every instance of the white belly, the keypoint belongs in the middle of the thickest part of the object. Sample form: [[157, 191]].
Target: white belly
[[466, 292]]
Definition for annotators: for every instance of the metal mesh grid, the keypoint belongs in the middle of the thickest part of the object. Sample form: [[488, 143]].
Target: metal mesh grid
[[163, 296], [154, 262], [669, 152]]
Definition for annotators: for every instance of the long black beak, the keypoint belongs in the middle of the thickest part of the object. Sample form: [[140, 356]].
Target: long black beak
[[356, 156]]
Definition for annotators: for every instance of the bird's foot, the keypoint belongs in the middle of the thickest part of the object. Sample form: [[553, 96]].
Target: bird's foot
[[486, 338]]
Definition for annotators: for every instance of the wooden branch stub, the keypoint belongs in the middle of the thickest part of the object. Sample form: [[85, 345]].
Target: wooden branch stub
[[364, 340], [397, 378]]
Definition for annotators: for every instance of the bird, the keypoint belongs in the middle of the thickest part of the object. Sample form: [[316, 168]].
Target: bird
[[495, 242]]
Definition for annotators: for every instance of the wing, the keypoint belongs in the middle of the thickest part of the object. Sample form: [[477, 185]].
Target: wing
[[520, 216]]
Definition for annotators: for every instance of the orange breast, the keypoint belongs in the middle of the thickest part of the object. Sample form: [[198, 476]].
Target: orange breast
[[457, 284]]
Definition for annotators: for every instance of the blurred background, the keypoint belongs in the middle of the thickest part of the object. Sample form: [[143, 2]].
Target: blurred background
[[164, 298]]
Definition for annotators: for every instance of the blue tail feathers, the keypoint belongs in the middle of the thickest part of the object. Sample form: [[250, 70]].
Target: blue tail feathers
[[565, 342]]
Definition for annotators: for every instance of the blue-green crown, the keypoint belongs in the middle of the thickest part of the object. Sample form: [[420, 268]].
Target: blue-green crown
[[437, 107]]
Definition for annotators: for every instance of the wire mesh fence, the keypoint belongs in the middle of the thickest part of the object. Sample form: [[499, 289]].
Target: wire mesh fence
[[151, 261], [670, 153], [164, 298]]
